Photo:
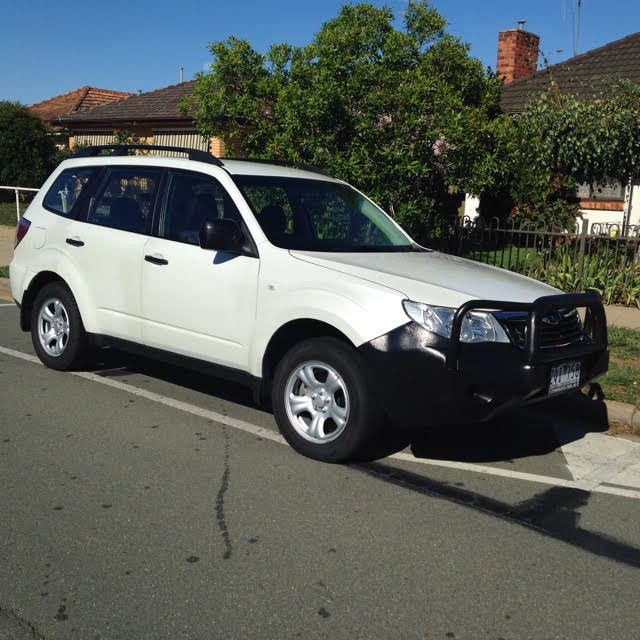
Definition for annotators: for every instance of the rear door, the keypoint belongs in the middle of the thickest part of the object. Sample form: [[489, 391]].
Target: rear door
[[199, 303], [107, 246]]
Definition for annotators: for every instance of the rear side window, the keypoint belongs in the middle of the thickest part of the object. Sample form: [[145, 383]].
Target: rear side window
[[65, 191], [125, 199]]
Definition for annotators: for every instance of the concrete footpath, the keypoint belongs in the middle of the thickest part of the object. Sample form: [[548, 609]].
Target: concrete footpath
[[7, 239], [625, 317], [5, 290]]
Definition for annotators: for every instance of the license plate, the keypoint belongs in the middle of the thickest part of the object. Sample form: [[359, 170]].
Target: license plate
[[564, 376]]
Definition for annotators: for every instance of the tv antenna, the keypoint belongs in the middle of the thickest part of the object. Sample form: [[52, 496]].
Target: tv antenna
[[577, 23]]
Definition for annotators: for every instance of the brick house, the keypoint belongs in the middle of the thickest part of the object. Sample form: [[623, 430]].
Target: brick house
[[584, 76], [51, 111], [153, 116]]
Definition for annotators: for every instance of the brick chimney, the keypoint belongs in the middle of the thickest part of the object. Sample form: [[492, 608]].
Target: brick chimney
[[517, 53]]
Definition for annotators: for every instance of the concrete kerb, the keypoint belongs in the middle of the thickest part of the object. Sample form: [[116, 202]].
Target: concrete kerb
[[624, 413]]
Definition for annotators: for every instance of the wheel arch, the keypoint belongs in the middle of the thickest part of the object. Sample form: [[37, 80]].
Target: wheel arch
[[285, 337], [40, 280]]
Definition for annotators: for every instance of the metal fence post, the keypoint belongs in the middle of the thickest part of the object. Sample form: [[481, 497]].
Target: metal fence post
[[583, 244], [17, 204]]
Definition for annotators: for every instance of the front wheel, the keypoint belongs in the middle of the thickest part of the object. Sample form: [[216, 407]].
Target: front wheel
[[322, 401], [57, 331]]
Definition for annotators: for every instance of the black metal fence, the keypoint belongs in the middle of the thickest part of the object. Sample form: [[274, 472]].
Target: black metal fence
[[596, 257]]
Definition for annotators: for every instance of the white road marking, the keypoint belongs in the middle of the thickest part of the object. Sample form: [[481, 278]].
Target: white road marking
[[589, 483], [8, 304], [160, 399]]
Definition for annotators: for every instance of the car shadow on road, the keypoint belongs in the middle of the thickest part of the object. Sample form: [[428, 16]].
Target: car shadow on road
[[533, 431], [528, 432], [111, 363], [554, 512]]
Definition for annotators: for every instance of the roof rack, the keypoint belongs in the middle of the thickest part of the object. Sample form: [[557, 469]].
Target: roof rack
[[283, 163], [123, 150]]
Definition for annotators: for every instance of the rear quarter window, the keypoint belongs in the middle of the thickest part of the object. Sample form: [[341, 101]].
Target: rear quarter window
[[65, 191]]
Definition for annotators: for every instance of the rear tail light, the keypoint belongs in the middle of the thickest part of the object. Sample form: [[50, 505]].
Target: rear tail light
[[21, 229]]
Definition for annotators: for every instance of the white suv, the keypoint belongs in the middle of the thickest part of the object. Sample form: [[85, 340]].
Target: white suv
[[295, 284]]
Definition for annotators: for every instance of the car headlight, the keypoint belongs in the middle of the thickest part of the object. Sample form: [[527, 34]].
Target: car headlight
[[477, 326]]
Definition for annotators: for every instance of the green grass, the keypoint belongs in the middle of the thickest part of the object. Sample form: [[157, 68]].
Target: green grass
[[625, 342], [8, 213], [513, 258], [622, 381], [4, 272]]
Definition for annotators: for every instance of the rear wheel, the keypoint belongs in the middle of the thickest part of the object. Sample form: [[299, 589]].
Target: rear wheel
[[57, 331], [322, 401]]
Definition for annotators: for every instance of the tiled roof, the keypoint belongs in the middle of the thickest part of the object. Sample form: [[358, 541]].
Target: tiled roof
[[583, 75], [161, 104], [75, 101]]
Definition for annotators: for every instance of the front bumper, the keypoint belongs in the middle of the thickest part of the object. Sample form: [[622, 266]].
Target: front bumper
[[422, 379]]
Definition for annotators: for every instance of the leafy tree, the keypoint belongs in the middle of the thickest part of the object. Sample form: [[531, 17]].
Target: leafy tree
[[398, 113], [586, 140], [566, 141], [27, 151], [560, 140]]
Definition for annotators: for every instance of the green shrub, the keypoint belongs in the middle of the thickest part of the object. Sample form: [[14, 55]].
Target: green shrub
[[27, 151], [610, 273]]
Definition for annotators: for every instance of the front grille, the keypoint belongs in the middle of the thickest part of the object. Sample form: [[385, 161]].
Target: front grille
[[558, 328]]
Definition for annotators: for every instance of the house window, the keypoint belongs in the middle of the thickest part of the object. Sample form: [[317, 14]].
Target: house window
[[601, 191], [93, 138], [184, 138]]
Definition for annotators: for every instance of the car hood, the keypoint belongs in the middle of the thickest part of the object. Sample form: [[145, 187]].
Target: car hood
[[432, 277]]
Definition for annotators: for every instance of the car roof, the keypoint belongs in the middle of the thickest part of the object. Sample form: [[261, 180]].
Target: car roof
[[238, 166]]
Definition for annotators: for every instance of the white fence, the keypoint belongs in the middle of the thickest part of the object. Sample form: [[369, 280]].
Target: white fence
[[17, 191]]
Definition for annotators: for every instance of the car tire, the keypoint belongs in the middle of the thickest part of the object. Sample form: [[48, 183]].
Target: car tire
[[322, 400], [57, 332]]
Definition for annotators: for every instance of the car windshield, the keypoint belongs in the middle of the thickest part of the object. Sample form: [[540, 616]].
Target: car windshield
[[320, 215]]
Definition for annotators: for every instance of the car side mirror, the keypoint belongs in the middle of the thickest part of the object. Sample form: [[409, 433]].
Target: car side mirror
[[221, 235]]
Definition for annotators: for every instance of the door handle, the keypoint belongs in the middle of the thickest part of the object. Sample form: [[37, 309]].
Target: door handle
[[156, 260], [75, 242]]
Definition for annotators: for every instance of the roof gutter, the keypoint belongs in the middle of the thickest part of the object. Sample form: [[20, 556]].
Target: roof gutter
[[85, 122]]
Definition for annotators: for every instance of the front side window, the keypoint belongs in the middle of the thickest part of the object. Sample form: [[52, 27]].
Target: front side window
[[65, 191], [190, 200], [125, 199], [319, 215]]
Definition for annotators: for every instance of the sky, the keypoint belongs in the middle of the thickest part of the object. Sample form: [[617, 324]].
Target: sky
[[49, 47]]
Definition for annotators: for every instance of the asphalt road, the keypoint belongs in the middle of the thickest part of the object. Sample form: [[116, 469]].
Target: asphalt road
[[142, 501]]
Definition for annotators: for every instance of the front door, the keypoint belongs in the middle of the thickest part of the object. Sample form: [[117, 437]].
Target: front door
[[197, 302]]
